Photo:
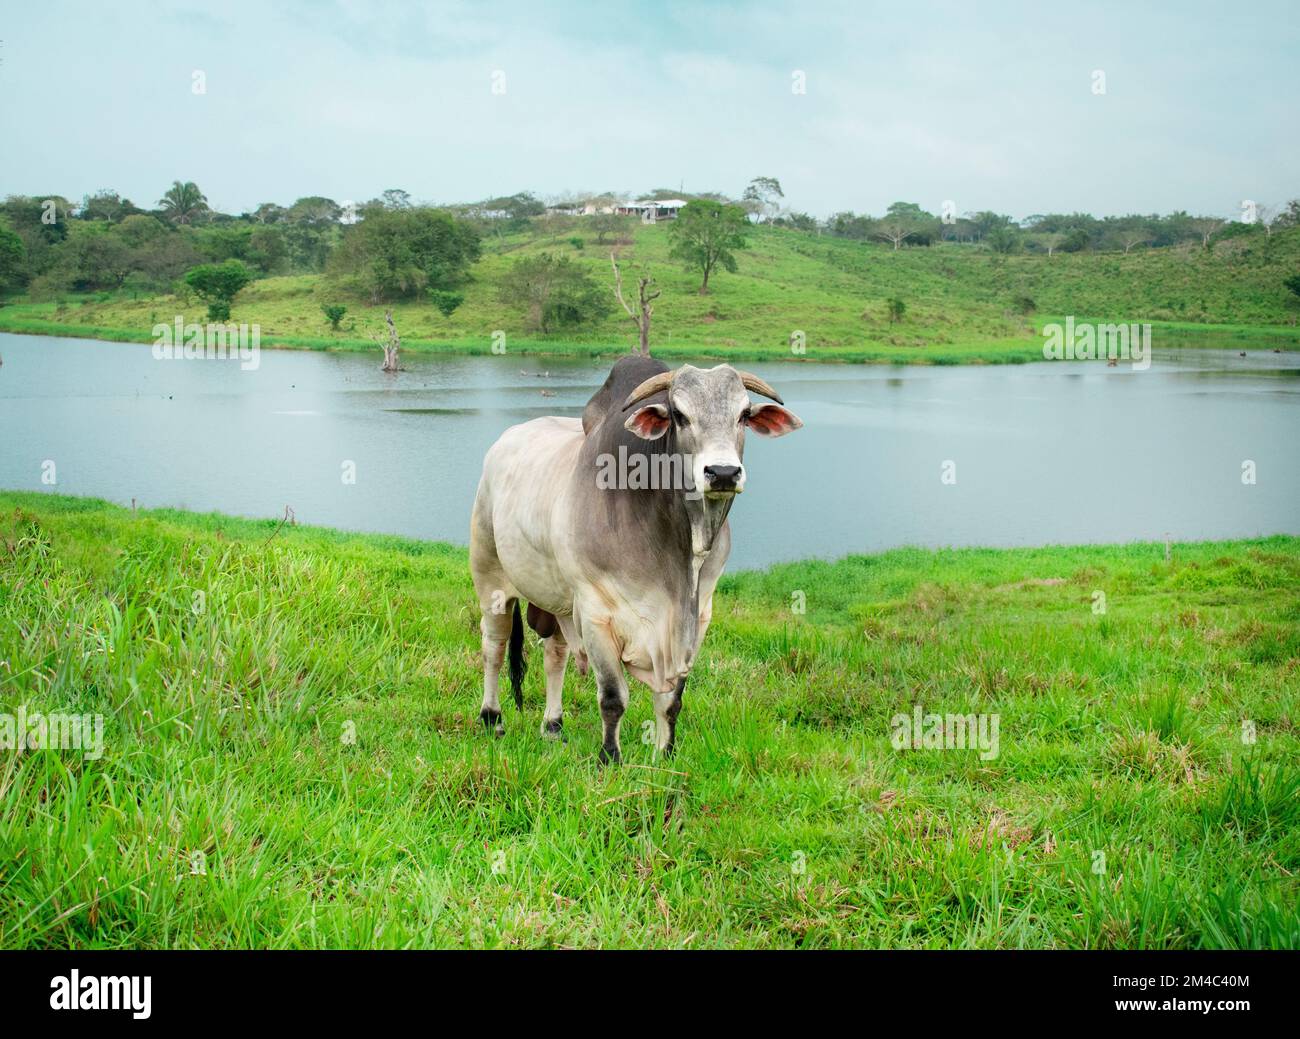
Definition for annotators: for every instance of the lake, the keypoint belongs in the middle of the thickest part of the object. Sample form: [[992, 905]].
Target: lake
[[1047, 453]]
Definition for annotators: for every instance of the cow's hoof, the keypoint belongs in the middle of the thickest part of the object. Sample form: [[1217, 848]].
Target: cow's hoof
[[554, 730], [492, 721], [610, 756]]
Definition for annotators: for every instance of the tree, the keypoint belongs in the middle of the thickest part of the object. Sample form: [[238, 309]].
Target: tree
[[1205, 226], [266, 248], [554, 291], [508, 213], [395, 198], [13, 257], [314, 211], [1003, 240], [184, 203], [764, 195], [1076, 240], [641, 316], [1130, 238], [333, 313], [217, 284], [1289, 217], [396, 253], [446, 301], [798, 221], [391, 344], [1049, 241], [268, 213], [1263, 214], [896, 309], [96, 257], [986, 221], [847, 224], [904, 221], [608, 223], [107, 205], [894, 229], [704, 235]]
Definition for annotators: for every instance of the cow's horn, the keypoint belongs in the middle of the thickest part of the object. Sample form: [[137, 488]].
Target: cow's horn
[[652, 385], [753, 382]]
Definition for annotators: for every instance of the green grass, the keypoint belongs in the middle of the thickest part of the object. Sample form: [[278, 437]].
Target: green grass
[[961, 302], [785, 819]]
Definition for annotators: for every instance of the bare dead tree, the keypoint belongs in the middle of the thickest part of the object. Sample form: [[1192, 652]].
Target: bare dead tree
[[641, 316], [1050, 241], [894, 231], [1264, 214], [391, 344], [1128, 239], [1205, 226]]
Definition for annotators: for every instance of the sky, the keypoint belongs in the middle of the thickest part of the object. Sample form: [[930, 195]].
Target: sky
[[1021, 108]]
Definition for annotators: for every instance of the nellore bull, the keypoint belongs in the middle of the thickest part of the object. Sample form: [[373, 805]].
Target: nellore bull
[[613, 529]]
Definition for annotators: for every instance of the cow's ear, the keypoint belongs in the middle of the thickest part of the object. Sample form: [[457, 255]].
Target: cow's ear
[[772, 420], [649, 423]]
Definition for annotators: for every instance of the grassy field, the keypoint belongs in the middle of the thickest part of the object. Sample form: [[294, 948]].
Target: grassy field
[[293, 758], [963, 304]]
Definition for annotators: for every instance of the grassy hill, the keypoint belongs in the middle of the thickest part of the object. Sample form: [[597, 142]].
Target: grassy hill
[[294, 758], [963, 303]]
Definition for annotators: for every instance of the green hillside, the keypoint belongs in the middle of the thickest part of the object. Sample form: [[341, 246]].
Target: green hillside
[[962, 303]]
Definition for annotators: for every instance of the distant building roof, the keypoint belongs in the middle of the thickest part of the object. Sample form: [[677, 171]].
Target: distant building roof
[[656, 203]]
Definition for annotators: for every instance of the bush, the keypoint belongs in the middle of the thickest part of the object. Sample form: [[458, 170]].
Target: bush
[[554, 291], [218, 284], [896, 308], [446, 301], [577, 243], [333, 313]]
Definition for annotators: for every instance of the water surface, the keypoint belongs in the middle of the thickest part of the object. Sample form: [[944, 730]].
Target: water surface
[[1054, 452]]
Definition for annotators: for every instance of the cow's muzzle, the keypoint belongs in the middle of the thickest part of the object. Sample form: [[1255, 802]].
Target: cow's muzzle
[[723, 479]]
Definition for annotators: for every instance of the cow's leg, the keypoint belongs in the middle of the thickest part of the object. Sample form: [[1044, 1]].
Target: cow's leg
[[667, 707], [496, 635], [611, 686], [556, 657]]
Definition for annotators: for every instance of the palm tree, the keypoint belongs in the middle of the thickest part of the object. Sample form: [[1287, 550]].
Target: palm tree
[[182, 203]]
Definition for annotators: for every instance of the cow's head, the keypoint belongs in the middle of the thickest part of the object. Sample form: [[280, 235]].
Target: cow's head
[[707, 410]]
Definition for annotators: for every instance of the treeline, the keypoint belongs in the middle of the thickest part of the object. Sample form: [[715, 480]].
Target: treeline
[[382, 249], [907, 224], [393, 248]]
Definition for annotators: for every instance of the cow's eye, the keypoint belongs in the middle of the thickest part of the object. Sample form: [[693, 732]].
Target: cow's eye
[[743, 415], [678, 418]]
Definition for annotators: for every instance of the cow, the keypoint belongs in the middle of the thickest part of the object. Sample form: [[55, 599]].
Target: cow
[[618, 573]]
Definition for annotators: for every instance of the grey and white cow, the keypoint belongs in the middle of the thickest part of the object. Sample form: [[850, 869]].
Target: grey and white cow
[[620, 573]]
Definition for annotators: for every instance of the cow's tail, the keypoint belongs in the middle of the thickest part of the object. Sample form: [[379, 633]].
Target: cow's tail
[[517, 663]]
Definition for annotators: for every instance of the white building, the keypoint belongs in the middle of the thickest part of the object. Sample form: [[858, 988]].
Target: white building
[[651, 210]]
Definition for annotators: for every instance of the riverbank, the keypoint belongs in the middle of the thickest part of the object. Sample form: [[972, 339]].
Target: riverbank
[[292, 755], [794, 296], [19, 319]]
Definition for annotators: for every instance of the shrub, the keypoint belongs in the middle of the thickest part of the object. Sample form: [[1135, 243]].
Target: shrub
[[446, 301]]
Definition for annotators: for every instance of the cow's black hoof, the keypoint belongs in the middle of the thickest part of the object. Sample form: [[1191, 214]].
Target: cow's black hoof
[[492, 721], [554, 730], [610, 756]]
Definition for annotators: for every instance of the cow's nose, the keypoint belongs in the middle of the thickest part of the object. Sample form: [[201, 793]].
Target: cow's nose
[[722, 477]]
